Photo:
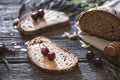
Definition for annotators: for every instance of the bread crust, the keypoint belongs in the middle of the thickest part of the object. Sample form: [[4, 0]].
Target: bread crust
[[43, 24], [51, 70], [102, 22]]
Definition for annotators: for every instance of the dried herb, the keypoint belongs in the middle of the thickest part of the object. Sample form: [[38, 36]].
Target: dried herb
[[83, 6], [4, 50], [115, 71], [6, 62]]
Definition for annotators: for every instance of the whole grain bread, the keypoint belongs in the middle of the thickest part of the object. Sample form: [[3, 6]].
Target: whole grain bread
[[103, 22], [51, 19], [64, 61]]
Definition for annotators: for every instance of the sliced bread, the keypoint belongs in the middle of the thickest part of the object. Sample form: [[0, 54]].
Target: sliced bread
[[51, 19], [64, 61], [102, 22]]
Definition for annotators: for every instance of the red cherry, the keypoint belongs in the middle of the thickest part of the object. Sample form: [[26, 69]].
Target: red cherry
[[34, 15], [90, 55], [40, 13], [97, 62], [51, 56], [2, 48], [44, 51]]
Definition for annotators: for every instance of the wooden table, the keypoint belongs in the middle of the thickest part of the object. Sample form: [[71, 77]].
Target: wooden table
[[22, 69]]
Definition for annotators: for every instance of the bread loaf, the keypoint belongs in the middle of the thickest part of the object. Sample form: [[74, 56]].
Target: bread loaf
[[63, 62], [103, 22], [51, 19]]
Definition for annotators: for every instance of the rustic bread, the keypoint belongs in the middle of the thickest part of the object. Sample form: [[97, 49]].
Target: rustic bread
[[64, 61], [51, 19], [112, 52], [102, 22]]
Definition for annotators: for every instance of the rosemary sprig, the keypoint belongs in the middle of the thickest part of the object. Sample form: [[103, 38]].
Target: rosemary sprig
[[115, 71], [85, 5]]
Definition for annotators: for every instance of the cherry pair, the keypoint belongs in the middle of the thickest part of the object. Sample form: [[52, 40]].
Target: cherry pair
[[45, 51], [90, 56], [37, 14]]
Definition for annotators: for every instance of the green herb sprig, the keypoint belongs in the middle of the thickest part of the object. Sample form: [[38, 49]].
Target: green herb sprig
[[85, 5], [115, 71]]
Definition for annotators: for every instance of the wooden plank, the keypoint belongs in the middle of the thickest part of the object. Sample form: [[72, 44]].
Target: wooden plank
[[9, 12], [23, 69], [26, 71], [16, 44], [12, 2]]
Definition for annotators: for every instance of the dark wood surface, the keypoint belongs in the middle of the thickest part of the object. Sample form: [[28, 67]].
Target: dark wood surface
[[22, 69]]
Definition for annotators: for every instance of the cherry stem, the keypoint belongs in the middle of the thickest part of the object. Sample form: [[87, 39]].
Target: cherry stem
[[42, 44]]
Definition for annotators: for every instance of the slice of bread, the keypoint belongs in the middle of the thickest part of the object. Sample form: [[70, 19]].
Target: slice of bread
[[102, 22], [63, 62], [51, 19]]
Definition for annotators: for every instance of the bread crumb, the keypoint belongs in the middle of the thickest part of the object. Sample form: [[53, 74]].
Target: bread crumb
[[84, 45], [17, 46], [26, 43], [70, 36], [73, 37], [16, 21], [23, 49], [66, 34]]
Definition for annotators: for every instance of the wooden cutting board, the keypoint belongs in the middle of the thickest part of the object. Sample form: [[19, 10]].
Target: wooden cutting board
[[96, 42]]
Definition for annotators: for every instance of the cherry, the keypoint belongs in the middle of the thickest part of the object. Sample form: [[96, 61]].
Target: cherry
[[2, 48], [40, 13], [90, 55], [44, 51], [51, 56], [98, 62], [34, 15]]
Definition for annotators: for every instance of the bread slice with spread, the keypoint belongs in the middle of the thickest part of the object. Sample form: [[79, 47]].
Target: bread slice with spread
[[35, 22], [61, 61]]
